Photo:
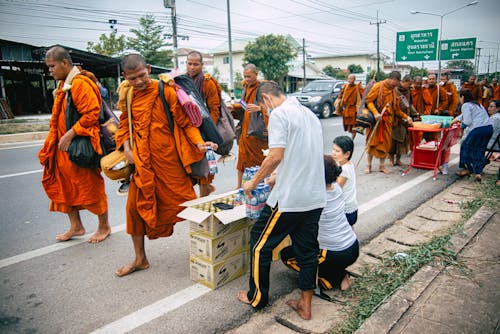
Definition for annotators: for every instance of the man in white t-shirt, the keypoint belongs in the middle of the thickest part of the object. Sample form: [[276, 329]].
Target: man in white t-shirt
[[296, 200]]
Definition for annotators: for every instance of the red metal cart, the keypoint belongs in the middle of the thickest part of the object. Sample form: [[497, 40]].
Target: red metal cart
[[432, 154]]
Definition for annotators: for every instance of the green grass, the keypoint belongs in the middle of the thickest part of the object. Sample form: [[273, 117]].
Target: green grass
[[379, 282]]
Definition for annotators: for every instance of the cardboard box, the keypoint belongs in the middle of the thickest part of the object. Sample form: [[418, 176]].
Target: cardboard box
[[203, 219], [217, 250], [218, 274]]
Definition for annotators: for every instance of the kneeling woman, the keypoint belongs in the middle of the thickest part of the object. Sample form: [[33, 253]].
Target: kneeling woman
[[338, 243]]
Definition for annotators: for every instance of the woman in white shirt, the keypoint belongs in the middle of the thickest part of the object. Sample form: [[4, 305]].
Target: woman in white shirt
[[338, 244]]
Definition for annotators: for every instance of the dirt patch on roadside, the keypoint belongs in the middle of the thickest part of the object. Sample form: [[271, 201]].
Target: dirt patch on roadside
[[20, 127]]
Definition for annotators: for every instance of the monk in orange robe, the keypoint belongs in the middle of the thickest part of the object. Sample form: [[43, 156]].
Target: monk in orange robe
[[249, 147], [436, 108], [421, 97], [496, 89], [383, 95], [350, 99], [451, 93], [69, 187], [208, 89], [474, 88], [160, 181]]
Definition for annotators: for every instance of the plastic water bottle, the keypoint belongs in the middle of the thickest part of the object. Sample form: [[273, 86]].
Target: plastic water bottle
[[212, 162], [246, 175], [240, 197], [267, 191], [254, 205], [262, 198]]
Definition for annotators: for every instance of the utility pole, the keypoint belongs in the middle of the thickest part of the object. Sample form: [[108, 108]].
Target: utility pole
[[378, 23], [304, 59], [171, 4], [489, 58], [478, 61], [230, 54]]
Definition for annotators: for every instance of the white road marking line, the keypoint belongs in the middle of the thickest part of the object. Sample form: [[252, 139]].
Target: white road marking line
[[19, 146], [52, 248], [153, 311], [399, 190], [20, 174]]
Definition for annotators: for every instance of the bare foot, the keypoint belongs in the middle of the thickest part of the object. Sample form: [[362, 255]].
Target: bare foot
[[300, 309], [346, 283], [400, 163], [130, 268], [368, 170], [211, 189], [70, 234], [391, 163], [243, 297], [100, 235], [384, 170]]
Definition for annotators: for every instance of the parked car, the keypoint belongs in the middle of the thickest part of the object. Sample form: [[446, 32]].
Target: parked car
[[319, 96]]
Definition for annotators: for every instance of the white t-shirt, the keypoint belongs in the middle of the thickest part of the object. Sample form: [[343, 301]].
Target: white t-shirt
[[349, 188], [335, 233], [300, 181]]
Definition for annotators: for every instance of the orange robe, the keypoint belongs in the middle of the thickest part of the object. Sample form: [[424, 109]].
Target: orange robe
[[68, 186], [250, 147], [212, 98], [443, 98], [160, 181], [380, 95], [349, 97], [452, 94], [475, 90], [496, 92], [422, 100]]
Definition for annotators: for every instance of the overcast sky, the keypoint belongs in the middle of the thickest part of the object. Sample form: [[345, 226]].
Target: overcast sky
[[328, 27]]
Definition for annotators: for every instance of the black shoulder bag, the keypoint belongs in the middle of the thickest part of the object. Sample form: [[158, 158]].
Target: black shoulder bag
[[80, 150]]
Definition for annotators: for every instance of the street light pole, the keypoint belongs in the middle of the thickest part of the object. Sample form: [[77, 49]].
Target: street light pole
[[230, 54], [441, 16]]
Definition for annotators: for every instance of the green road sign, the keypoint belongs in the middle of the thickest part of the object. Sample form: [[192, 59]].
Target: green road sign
[[454, 49], [420, 45]]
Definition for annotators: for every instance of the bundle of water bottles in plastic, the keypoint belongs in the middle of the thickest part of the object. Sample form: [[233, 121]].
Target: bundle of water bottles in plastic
[[257, 201]]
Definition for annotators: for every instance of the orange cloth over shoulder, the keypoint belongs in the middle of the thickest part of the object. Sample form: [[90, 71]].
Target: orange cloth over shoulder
[[452, 94], [422, 100], [160, 181], [349, 99], [443, 98], [67, 185], [380, 95], [250, 147]]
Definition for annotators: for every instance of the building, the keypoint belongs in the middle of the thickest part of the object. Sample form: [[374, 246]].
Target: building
[[292, 82], [368, 61], [26, 84]]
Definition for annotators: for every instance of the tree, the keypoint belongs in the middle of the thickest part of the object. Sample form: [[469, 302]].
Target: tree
[[111, 45], [270, 53], [149, 38], [418, 72], [336, 72], [355, 68], [466, 65]]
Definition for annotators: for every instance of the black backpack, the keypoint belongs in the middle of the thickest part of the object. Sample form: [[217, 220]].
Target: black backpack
[[207, 128]]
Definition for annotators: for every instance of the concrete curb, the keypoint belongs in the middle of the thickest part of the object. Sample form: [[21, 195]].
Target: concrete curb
[[23, 137], [387, 315]]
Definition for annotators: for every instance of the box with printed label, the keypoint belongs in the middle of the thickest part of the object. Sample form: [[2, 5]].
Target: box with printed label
[[206, 216], [216, 250], [218, 274]]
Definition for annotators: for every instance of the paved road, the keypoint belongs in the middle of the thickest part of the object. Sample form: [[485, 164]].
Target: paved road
[[49, 287]]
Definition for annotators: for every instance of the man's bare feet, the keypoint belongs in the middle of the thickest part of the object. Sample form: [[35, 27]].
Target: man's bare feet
[[243, 297], [100, 235], [302, 311], [346, 283], [211, 188], [70, 234], [130, 268], [368, 169], [384, 170], [391, 162]]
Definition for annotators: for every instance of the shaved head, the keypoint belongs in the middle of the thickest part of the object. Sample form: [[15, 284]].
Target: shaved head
[[251, 67], [133, 61], [58, 53]]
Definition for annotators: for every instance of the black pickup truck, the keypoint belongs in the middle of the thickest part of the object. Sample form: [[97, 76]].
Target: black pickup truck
[[319, 96]]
